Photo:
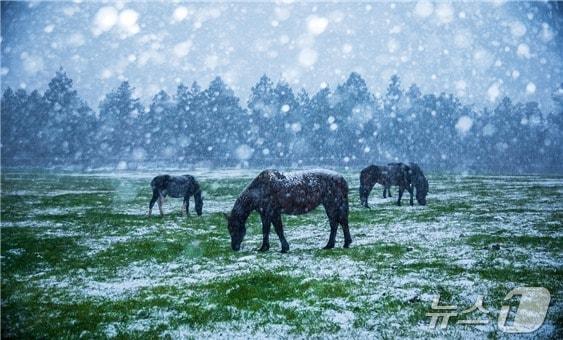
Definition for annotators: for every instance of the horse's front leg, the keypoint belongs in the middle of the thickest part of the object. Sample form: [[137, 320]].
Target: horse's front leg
[[153, 200], [401, 190], [279, 230], [266, 222], [389, 191], [411, 189], [385, 192]]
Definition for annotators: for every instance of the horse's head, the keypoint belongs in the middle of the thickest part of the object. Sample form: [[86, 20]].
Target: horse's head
[[198, 203], [421, 191], [237, 230]]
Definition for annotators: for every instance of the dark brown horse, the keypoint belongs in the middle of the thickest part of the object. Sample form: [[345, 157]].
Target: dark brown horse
[[273, 193], [409, 177], [176, 186], [391, 174]]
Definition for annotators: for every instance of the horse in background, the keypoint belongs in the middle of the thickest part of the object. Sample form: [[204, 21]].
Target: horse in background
[[392, 174], [273, 193], [407, 177], [176, 186]]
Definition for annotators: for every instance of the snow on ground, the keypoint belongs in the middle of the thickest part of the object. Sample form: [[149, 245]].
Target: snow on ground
[[400, 254]]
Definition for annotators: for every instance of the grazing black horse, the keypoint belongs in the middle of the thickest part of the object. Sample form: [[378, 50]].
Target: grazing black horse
[[176, 186], [273, 193], [392, 174], [405, 176]]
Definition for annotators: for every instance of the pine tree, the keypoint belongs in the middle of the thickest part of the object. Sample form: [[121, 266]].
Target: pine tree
[[263, 107], [354, 110], [390, 139], [222, 123], [12, 111], [68, 129], [322, 141], [160, 126], [120, 138], [300, 124]]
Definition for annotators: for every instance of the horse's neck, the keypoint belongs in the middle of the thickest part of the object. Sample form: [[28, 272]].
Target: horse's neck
[[243, 206]]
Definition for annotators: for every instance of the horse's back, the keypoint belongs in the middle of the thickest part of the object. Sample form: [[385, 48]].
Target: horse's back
[[311, 178], [397, 173], [299, 192], [174, 186]]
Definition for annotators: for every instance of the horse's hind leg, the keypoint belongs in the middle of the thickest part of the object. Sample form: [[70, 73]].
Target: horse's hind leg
[[343, 220], [186, 206], [332, 213], [346, 229], [279, 230], [160, 204]]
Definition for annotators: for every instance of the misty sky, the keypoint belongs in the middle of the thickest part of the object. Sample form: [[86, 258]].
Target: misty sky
[[478, 51]]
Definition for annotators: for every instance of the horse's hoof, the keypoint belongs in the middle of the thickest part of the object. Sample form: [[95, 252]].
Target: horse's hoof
[[328, 247], [347, 244], [284, 251], [263, 249]]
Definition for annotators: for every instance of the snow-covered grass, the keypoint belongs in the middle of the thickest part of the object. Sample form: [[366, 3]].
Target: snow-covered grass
[[79, 258]]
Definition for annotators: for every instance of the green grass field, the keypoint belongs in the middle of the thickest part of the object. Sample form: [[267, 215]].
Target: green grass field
[[80, 259]]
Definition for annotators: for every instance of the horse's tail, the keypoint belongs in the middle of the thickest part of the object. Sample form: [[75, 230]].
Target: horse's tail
[[343, 185], [345, 188], [419, 181]]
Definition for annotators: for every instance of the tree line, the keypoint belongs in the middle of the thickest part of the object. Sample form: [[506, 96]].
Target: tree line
[[344, 126]]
